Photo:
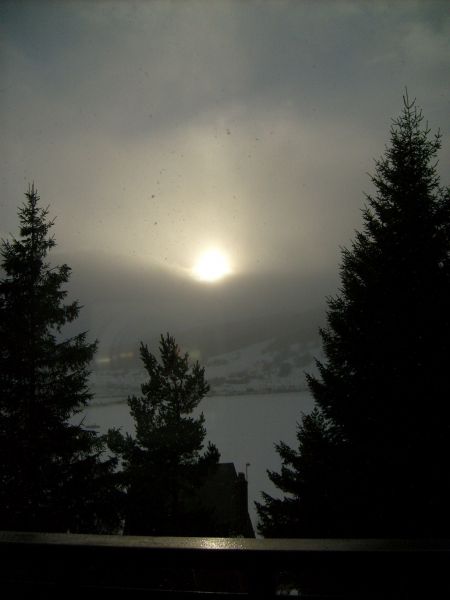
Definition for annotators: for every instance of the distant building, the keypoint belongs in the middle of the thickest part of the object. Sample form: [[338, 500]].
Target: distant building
[[225, 495], [216, 507]]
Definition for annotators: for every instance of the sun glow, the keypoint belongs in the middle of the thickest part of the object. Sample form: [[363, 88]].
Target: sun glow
[[211, 266]]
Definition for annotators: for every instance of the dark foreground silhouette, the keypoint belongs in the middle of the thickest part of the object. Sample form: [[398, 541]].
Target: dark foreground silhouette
[[373, 458]]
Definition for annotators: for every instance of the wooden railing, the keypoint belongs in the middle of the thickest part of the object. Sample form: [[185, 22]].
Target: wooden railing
[[216, 567]]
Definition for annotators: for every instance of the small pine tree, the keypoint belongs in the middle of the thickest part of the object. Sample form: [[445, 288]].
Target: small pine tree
[[305, 478], [384, 387], [163, 465], [52, 477]]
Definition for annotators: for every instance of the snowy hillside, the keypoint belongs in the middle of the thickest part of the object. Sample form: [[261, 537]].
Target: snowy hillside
[[264, 367]]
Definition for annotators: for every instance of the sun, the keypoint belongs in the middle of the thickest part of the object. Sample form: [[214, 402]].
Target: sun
[[211, 266]]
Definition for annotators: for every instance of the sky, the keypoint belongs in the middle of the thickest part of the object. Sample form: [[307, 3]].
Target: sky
[[156, 130]]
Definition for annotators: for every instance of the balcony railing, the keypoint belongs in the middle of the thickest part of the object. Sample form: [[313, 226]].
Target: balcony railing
[[223, 567]]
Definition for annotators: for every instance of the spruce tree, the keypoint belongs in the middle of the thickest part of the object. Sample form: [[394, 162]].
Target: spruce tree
[[384, 387], [164, 464], [305, 478], [52, 476]]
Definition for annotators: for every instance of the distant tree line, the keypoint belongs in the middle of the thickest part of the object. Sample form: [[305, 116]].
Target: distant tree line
[[372, 458]]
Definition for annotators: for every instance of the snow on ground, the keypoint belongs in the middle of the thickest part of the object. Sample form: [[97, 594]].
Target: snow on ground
[[264, 367]]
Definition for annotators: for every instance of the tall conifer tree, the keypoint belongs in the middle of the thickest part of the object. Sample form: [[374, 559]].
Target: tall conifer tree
[[52, 476], [164, 464], [384, 387]]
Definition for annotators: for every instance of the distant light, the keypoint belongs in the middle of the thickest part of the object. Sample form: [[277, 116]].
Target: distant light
[[212, 266], [103, 360], [195, 354]]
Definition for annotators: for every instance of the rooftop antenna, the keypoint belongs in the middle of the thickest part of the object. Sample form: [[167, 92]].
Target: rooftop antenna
[[247, 465]]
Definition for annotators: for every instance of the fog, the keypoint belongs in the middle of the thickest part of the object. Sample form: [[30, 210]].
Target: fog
[[158, 130], [126, 301]]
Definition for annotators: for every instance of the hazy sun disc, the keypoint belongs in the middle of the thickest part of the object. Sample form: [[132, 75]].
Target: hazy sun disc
[[212, 266]]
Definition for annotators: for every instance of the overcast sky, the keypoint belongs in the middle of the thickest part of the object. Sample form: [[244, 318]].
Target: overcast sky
[[155, 130]]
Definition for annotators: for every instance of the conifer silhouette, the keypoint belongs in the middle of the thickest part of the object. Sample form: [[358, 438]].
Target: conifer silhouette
[[52, 475], [383, 392]]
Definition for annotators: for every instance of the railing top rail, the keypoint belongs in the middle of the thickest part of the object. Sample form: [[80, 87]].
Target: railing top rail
[[230, 545], [413, 566]]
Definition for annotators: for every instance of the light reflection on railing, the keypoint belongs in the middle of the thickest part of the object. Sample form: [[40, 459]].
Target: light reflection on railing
[[320, 568]]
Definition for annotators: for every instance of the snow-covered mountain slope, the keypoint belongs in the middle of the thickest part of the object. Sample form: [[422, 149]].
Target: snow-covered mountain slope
[[262, 367], [269, 366], [259, 355]]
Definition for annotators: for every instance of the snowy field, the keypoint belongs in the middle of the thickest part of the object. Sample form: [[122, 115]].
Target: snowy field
[[244, 428]]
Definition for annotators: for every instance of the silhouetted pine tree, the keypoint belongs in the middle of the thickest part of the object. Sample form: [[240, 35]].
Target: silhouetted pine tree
[[163, 465], [52, 477], [384, 388], [305, 478]]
